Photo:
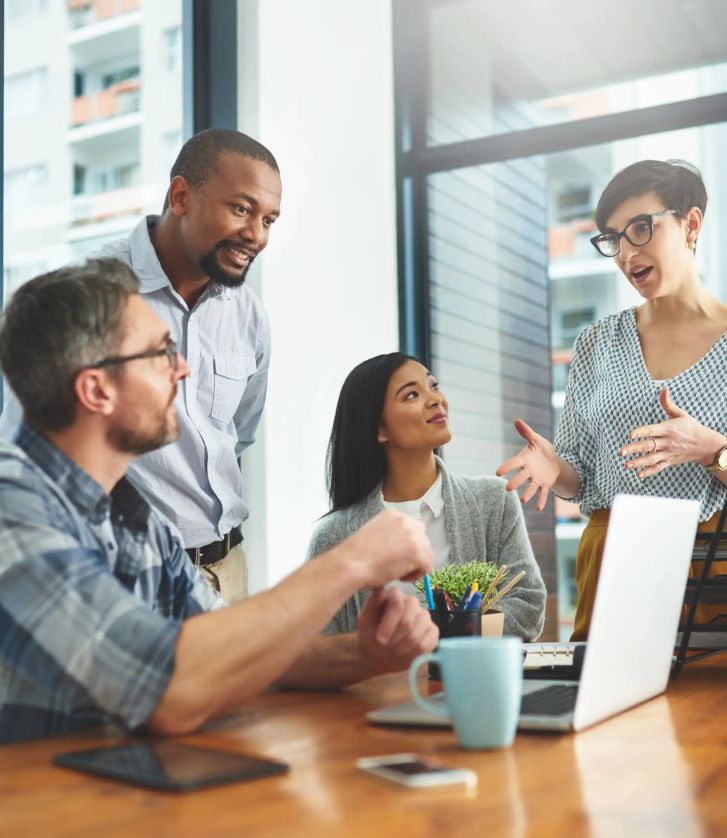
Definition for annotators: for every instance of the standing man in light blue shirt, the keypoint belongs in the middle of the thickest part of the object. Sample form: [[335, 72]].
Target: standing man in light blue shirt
[[223, 197]]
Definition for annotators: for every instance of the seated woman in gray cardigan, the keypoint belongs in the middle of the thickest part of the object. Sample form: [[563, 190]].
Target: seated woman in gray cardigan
[[390, 419]]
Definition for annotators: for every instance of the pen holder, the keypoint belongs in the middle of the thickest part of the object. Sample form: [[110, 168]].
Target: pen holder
[[493, 624], [453, 624]]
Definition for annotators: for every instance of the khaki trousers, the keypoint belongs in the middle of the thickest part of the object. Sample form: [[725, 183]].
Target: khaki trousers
[[588, 567], [228, 575]]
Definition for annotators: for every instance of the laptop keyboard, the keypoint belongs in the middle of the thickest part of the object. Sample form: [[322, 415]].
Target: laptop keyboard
[[550, 701]]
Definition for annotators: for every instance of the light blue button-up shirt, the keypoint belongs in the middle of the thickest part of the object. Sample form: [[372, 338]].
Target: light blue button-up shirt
[[196, 483]]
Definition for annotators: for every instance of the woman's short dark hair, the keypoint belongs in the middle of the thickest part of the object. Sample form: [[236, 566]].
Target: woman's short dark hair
[[679, 185], [356, 462], [54, 326]]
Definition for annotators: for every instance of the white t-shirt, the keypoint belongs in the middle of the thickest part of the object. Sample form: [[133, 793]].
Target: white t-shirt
[[430, 509]]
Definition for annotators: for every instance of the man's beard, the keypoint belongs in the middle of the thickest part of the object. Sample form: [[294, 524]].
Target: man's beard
[[216, 273], [137, 441]]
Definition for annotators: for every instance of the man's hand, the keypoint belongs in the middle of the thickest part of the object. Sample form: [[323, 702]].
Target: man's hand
[[389, 546], [392, 630]]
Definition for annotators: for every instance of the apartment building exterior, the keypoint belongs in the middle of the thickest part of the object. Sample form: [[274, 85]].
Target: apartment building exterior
[[93, 121]]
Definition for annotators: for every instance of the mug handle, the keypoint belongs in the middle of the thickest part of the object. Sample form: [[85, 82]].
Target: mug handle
[[419, 699]]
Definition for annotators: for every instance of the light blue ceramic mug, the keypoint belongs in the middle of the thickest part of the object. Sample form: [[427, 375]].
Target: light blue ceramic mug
[[483, 681]]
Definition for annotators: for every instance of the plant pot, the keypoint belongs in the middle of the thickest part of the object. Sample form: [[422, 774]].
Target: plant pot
[[493, 623]]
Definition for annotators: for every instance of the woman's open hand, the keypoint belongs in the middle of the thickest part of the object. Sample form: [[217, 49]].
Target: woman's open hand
[[678, 439], [537, 464]]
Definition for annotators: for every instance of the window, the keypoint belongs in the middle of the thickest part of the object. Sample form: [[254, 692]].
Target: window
[[118, 76], [574, 203], [18, 9], [171, 143], [79, 83], [80, 15], [79, 179], [573, 322], [15, 275], [503, 154], [172, 49], [95, 180], [23, 188], [26, 93]]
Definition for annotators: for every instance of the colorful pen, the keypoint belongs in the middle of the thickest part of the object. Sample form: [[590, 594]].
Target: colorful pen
[[428, 592], [464, 604], [440, 603], [474, 603], [463, 599]]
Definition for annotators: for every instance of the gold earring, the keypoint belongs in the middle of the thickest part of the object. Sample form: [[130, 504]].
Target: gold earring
[[693, 245]]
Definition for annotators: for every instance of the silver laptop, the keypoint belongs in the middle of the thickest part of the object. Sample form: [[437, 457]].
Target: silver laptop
[[633, 627]]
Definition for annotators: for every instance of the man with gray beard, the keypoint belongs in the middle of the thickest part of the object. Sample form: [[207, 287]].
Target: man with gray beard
[[103, 618]]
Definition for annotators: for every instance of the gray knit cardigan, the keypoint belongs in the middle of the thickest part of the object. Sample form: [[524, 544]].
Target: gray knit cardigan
[[483, 522]]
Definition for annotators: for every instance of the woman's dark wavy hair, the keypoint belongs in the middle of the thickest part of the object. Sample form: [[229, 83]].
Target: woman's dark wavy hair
[[679, 185], [355, 462]]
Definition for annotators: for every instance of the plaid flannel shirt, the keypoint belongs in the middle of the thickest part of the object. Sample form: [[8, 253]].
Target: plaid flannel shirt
[[93, 590]]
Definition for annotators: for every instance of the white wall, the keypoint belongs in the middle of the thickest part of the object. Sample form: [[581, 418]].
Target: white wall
[[317, 88]]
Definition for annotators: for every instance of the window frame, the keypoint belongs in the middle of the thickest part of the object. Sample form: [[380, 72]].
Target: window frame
[[209, 76], [415, 160]]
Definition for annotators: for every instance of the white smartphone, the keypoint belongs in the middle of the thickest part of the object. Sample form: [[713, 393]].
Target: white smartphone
[[416, 771]]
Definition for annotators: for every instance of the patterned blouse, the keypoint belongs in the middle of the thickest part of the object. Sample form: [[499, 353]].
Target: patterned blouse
[[610, 392]]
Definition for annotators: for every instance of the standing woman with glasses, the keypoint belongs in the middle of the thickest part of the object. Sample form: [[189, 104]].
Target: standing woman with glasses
[[646, 402]]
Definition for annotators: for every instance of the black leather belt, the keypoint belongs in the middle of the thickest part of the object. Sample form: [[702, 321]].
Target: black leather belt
[[216, 550]]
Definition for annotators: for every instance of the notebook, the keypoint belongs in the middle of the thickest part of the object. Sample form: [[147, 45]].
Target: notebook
[[538, 655]]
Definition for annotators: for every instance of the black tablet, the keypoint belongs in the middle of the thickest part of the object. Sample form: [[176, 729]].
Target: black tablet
[[169, 766]]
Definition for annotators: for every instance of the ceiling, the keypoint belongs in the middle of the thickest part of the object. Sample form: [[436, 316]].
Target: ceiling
[[544, 48]]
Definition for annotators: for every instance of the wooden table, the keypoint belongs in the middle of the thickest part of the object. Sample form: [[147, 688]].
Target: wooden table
[[660, 769]]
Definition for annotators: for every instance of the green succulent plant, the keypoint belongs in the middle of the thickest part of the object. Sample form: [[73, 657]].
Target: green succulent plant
[[454, 578]]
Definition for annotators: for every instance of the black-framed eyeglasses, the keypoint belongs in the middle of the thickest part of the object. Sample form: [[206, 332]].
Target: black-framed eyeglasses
[[170, 350], [638, 232]]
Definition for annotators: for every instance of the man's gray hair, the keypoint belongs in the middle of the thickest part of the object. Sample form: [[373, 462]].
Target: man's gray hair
[[54, 326]]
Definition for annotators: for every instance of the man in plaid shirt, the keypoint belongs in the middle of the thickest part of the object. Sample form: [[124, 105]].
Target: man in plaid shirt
[[103, 617]]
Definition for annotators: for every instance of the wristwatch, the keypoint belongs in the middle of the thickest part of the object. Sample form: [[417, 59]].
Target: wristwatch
[[720, 461]]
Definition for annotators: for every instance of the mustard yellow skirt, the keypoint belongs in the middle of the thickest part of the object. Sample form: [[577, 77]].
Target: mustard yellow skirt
[[588, 566]]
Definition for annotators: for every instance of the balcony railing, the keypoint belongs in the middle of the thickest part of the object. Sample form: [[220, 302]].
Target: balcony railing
[[85, 12], [93, 209], [119, 99], [571, 240]]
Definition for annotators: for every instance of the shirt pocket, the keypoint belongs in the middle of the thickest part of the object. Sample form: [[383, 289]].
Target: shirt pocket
[[231, 372]]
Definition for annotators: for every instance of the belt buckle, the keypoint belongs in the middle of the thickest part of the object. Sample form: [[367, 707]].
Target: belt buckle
[[226, 543], [197, 556]]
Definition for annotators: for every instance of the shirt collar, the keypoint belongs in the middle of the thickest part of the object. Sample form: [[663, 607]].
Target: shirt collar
[[144, 259], [433, 496], [78, 486], [146, 264]]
